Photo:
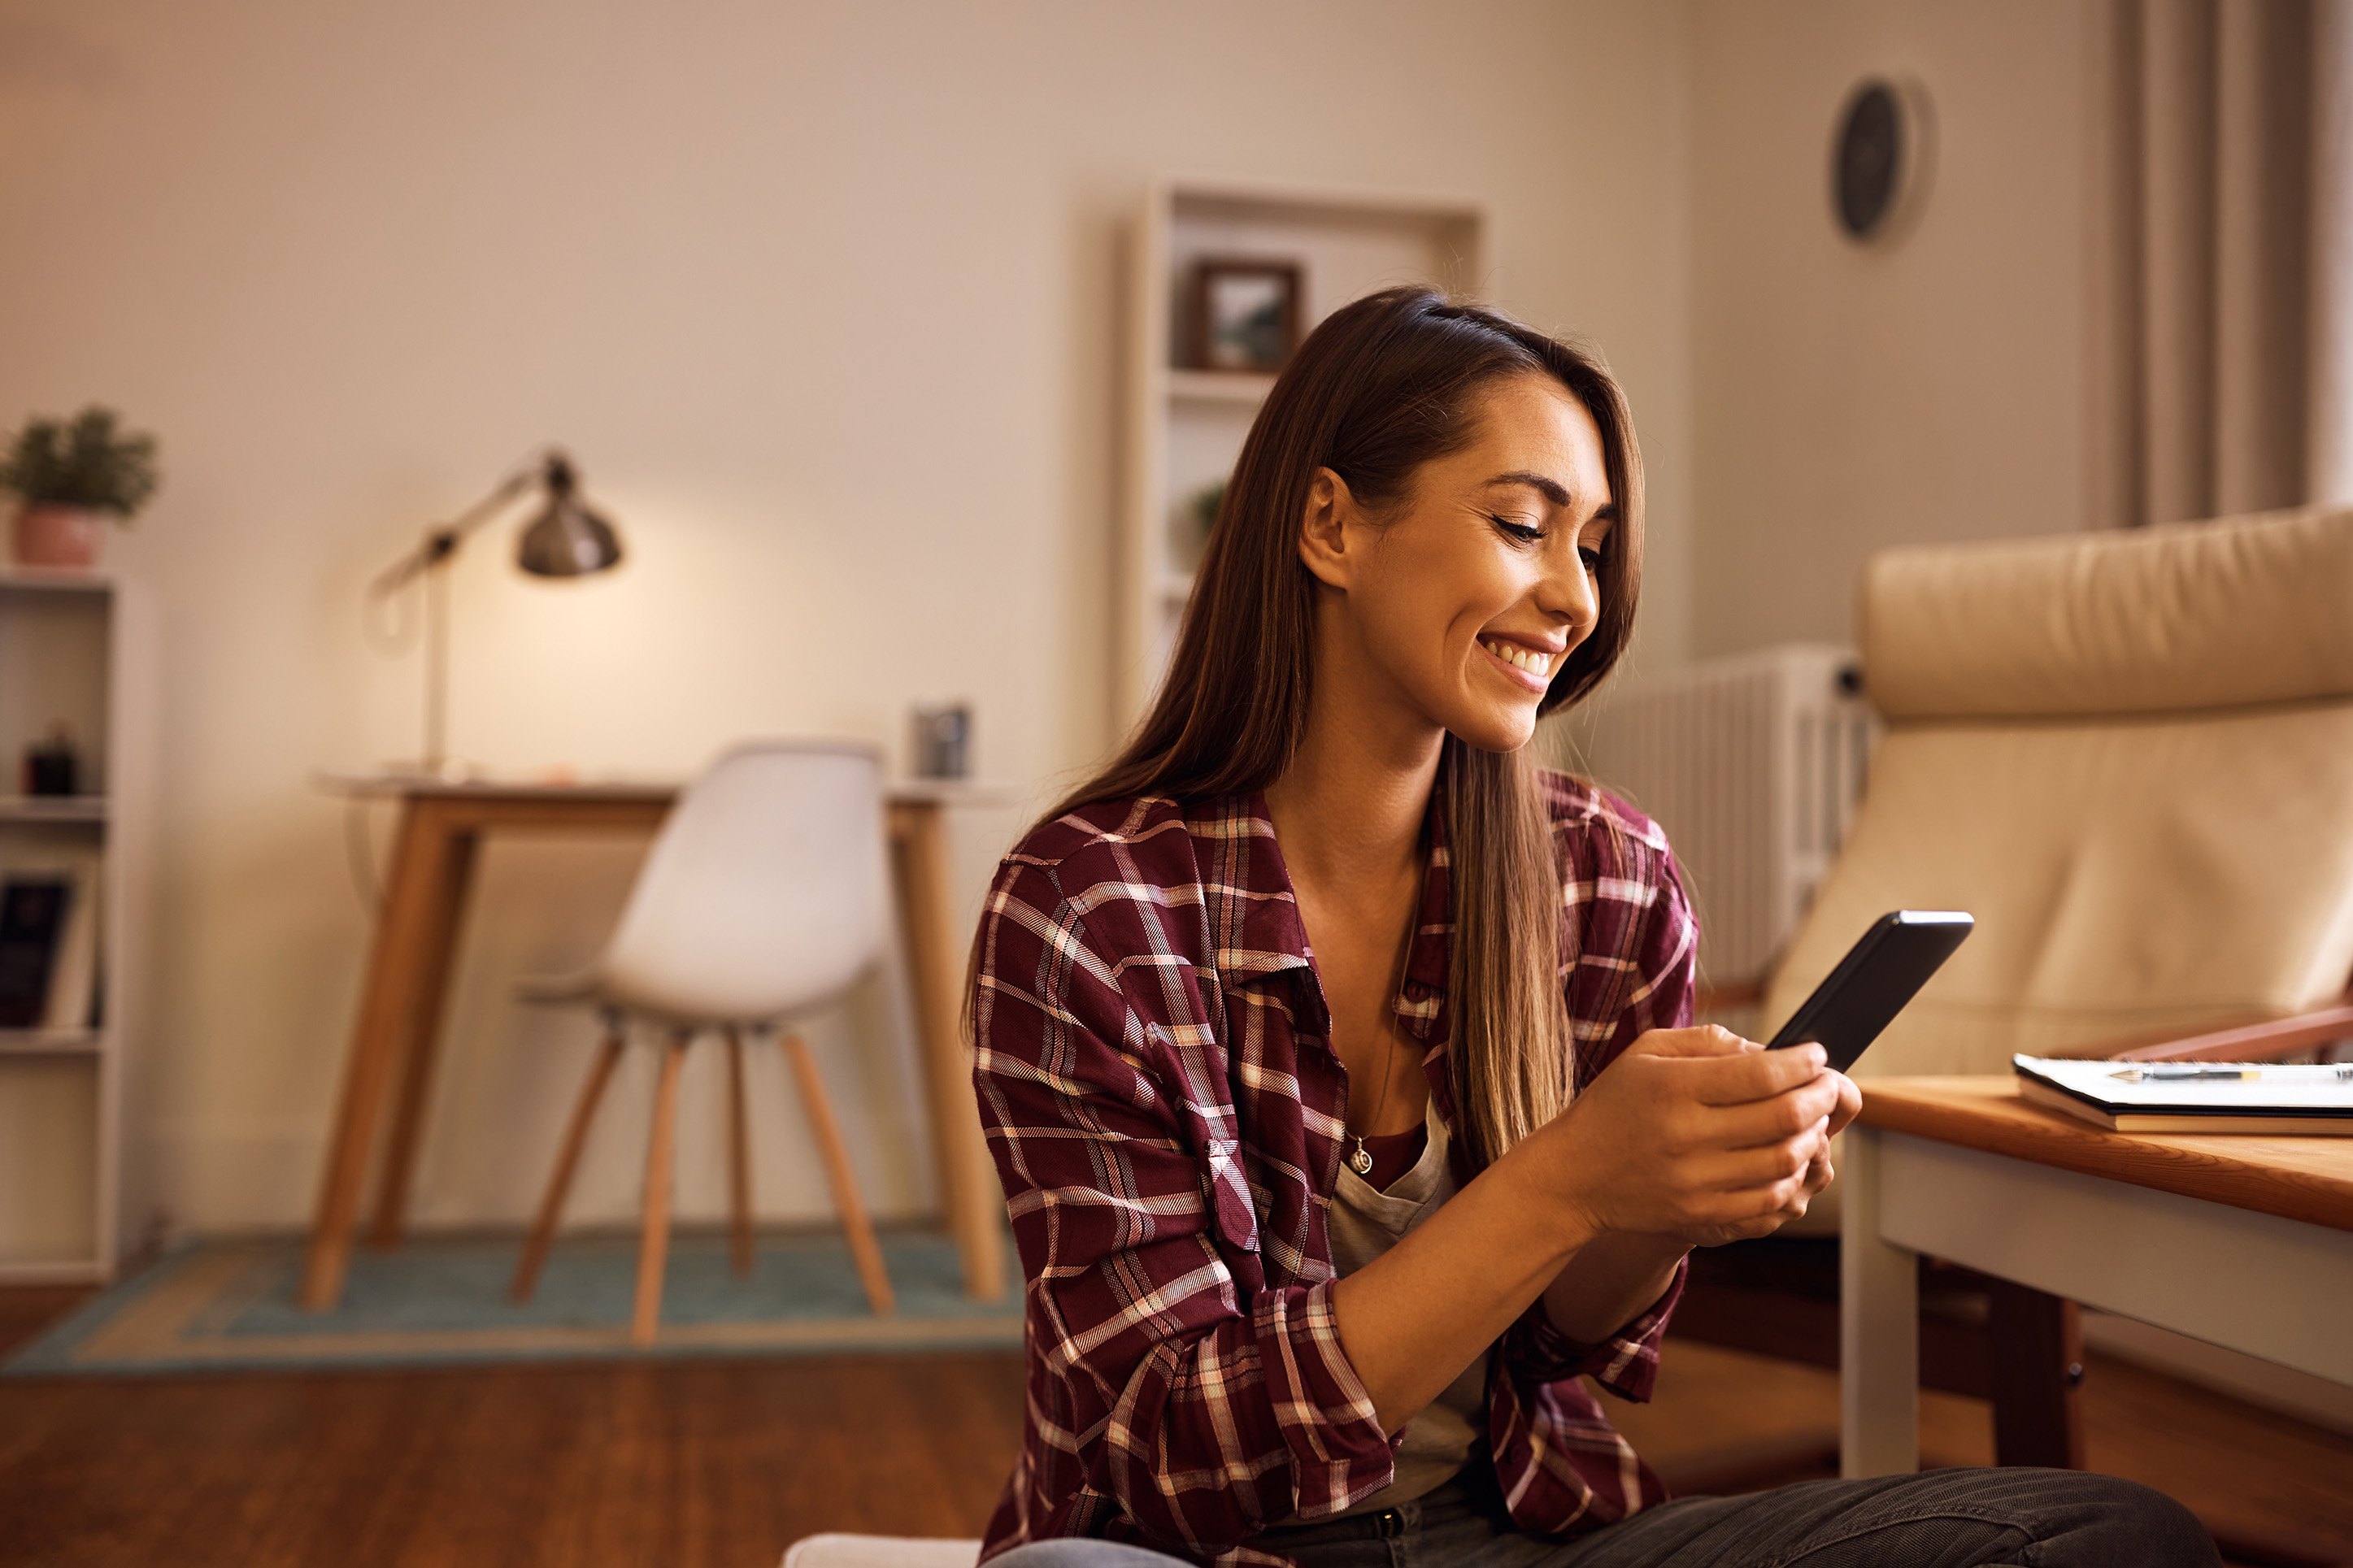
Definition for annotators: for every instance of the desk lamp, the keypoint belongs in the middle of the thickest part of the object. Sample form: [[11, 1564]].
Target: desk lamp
[[564, 540]]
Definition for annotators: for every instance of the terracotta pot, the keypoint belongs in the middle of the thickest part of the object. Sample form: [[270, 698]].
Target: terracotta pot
[[51, 535]]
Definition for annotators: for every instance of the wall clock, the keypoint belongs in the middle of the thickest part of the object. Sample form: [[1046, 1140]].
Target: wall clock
[[1879, 159]]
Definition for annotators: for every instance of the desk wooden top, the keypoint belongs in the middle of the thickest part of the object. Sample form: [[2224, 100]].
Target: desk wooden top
[[635, 791], [2307, 1179]]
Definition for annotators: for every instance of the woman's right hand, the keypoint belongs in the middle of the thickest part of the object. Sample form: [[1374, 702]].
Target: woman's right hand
[[1693, 1133]]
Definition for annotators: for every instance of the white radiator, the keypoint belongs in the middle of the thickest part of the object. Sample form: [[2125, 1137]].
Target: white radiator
[[1753, 765]]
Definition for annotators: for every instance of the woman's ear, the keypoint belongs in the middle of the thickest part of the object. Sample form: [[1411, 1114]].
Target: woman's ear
[[1323, 530]]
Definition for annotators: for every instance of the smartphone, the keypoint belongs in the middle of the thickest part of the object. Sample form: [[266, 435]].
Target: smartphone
[[1873, 982]]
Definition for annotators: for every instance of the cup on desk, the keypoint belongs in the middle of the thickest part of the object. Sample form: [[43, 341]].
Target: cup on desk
[[942, 740]]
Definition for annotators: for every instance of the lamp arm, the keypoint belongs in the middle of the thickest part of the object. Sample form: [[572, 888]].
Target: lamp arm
[[441, 541]]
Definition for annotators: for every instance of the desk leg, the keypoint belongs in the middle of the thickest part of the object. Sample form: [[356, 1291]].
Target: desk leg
[[2035, 1344], [421, 868], [1879, 1328], [970, 1198], [440, 912]]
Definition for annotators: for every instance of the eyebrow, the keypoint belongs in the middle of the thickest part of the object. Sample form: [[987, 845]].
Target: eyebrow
[[1552, 490]]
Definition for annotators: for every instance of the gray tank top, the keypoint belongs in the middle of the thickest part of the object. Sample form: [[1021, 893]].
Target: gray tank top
[[1365, 1223]]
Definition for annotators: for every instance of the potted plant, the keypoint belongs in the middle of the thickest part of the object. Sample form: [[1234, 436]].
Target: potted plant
[[67, 477]]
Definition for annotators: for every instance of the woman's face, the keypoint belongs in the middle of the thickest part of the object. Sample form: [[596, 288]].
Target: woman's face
[[1459, 606]]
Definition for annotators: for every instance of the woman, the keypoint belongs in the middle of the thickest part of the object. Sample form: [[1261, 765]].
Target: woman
[[1337, 1061]]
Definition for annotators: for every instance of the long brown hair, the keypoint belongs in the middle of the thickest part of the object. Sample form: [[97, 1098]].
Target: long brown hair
[[1381, 387]]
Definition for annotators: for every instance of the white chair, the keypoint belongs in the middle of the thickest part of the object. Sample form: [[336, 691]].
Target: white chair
[[761, 901]]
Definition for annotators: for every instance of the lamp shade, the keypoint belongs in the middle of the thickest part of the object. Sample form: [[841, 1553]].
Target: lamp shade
[[566, 539]]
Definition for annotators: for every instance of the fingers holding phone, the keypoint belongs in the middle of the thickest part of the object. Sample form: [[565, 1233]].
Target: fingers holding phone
[[1699, 1133], [1691, 1131], [1820, 1107]]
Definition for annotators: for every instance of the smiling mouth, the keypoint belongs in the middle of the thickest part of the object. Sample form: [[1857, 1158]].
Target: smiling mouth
[[1520, 658]]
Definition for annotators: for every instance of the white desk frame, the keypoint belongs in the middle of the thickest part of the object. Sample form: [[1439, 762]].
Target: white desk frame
[[2278, 1288]]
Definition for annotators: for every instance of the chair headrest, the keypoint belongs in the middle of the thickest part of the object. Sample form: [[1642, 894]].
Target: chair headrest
[[2183, 617]]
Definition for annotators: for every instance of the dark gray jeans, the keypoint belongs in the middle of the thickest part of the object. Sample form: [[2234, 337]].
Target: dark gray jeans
[[1943, 1519]]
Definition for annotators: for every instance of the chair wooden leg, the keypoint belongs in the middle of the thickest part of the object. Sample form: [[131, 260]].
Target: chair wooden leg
[[844, 1188], [550, 1208], [653, 1245], [738, 1155], [2034, 1343]]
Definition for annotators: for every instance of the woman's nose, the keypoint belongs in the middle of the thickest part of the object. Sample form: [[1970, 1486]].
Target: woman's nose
[[1567, 594]]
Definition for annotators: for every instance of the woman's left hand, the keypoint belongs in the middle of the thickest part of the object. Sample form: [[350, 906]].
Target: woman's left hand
[[1819, 1173]]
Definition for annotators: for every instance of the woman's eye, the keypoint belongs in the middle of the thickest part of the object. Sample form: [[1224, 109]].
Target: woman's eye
[[1519, 531], [1591, 556]]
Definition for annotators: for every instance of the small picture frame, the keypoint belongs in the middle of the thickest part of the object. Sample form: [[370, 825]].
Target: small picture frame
[[1245, 314]]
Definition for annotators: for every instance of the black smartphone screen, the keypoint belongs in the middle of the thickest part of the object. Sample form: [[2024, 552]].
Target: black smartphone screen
[[1873, 982]]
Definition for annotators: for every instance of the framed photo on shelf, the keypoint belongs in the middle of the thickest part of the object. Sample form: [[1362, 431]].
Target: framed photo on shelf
[[1245, 314]]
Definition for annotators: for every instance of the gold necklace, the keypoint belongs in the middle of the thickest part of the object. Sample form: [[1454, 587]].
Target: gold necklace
[[1361, 1160]]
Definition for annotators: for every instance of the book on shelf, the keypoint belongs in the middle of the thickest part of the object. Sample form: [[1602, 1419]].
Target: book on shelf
[[73, 985], [32, 929], [2272, 1097], [48, 942]]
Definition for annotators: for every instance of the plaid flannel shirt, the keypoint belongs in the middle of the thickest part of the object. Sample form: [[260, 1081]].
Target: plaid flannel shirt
[[1167, 1118]]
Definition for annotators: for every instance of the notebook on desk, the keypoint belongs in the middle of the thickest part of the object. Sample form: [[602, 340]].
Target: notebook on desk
[[2192, 1097]]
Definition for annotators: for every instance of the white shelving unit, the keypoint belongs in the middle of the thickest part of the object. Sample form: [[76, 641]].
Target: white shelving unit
[[1184, 427], [74, 648]]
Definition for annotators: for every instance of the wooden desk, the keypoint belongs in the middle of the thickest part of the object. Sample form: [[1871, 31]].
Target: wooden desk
[[399, 1027], [2240, 1241]]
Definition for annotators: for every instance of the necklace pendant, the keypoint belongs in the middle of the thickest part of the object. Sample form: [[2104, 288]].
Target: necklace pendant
[[1361, 1162]]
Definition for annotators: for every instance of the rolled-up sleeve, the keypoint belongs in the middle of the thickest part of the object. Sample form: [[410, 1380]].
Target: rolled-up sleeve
[[1177, 1389], [1626, 1363]]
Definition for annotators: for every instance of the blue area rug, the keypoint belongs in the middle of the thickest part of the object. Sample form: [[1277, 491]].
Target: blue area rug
[[221, 1305]]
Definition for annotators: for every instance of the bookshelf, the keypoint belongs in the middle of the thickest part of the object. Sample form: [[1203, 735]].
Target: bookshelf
[[73, 651], [1183, 427]]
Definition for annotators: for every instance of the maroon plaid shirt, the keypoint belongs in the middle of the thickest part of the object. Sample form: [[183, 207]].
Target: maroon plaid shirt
[[1167, 1120]]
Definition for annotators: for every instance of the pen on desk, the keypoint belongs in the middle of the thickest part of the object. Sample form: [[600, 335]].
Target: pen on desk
[[2134, 1074], [2173, 1074]]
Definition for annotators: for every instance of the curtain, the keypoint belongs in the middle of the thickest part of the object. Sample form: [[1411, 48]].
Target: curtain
[[2328, 457], [2204, 253]]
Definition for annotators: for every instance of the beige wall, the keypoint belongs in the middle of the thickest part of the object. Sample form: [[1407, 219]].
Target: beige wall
[[821, 299], [1847, 397]]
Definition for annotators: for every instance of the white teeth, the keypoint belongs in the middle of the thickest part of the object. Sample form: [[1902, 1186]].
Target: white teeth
[[1520, 658]]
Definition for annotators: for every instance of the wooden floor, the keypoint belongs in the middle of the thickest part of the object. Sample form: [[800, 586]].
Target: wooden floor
[[682, 1463], [724, 1463]]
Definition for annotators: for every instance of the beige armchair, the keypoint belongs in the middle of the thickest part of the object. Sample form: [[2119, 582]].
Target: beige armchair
[[2130, 756]]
